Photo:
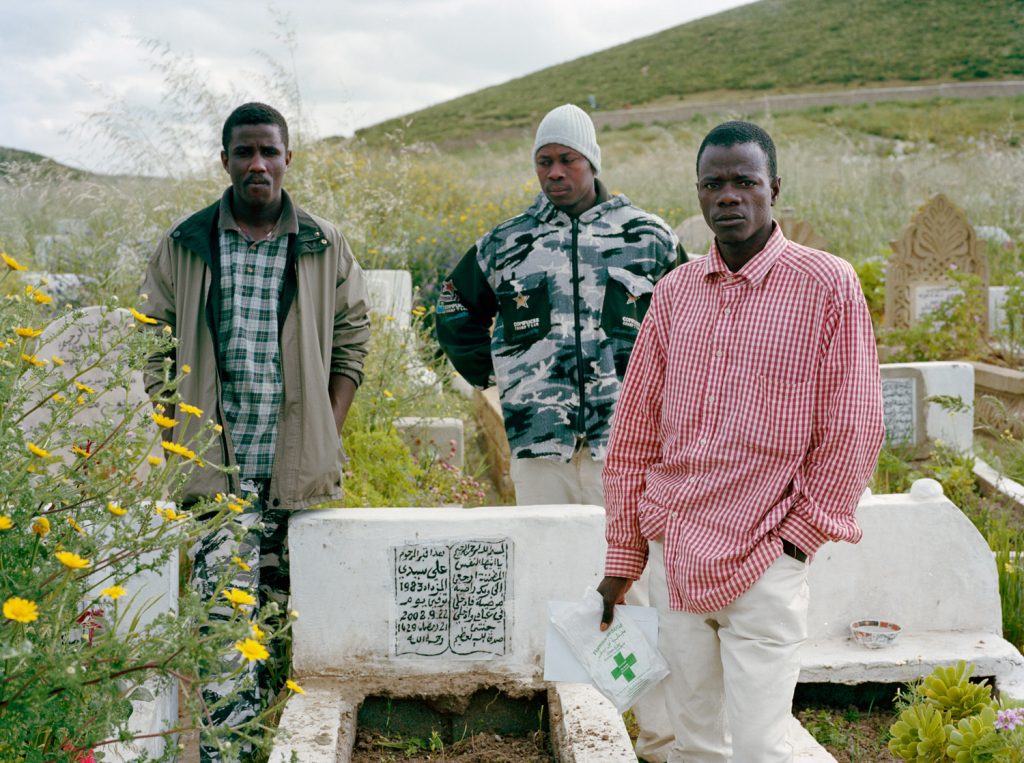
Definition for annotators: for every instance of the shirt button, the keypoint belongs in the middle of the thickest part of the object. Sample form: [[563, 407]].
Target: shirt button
[[718, 353], [711, 398], [250, 269], [703, 440], [726, 311]]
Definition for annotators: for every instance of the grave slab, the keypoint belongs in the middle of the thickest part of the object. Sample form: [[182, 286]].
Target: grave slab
[[442, 438], [923, 565], [912, 420], [390, 293]]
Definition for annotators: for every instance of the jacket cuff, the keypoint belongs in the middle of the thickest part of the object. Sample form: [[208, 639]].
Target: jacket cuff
[[355, 376], [623, 562]]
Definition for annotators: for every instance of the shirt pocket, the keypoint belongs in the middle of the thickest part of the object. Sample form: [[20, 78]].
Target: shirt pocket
[[525, 305], [777, 416], [626, 299]]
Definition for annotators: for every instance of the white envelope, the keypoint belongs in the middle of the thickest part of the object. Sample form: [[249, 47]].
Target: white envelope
[[560, 664]]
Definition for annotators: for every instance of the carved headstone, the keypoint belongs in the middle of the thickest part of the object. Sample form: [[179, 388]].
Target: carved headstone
[[695, 235], [938, 240], [903, 407], [801, 231]]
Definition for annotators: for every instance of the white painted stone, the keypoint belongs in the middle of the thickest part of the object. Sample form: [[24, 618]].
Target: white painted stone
[[949, 379], [343, 586], [318, 726], [441, 438], [997, 309], [586, 727], [805, 747], [390, 293], [926, 489], [1000, 483], [923, 565]]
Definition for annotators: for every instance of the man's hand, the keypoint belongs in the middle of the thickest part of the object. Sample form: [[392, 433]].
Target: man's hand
[[613, 591]]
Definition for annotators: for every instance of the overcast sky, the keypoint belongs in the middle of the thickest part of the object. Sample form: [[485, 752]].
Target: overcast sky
[[358, 61]]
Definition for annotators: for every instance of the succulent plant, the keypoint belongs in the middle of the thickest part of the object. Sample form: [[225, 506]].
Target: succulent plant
[[950, 690], [920, 735], [975, 740]]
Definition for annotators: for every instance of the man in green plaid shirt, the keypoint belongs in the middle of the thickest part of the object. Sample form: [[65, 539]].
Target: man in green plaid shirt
[[269, 308]]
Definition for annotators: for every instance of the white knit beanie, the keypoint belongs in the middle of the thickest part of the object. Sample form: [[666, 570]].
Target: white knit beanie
[[570, 126]]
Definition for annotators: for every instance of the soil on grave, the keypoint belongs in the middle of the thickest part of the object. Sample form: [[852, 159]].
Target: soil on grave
[[851, 722], [485, 747]]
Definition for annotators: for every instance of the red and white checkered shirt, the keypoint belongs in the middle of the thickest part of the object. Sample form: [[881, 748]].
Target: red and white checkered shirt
[[751, 412]]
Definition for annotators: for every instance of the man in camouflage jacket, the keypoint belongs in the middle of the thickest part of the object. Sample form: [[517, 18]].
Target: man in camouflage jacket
[[566, 285]]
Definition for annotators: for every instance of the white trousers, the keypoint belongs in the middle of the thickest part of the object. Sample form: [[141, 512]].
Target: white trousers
[[546, 481], [730, 692]]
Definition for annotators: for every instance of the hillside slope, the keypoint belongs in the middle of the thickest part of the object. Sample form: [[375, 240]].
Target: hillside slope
[[769, 46]]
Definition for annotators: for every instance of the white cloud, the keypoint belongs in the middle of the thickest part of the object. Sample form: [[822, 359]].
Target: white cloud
[[358, 61]]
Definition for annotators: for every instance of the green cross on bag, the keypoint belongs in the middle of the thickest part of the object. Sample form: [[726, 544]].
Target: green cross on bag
[[623, 667]]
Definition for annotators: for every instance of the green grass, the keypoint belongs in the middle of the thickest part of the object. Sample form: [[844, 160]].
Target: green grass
[[769, 46]]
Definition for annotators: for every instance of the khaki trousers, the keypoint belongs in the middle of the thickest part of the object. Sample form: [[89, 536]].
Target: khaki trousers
[[546, 481], [730, 693]]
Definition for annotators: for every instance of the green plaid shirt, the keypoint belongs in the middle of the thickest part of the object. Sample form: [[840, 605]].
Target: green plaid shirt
[[251, 278]]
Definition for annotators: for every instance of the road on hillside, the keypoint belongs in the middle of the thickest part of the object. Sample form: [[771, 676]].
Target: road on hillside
[[770, 103]]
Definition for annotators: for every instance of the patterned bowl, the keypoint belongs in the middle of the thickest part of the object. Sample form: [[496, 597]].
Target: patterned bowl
[[874, 634]]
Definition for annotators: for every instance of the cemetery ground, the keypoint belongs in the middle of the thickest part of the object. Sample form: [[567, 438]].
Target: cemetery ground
[[858, 174]]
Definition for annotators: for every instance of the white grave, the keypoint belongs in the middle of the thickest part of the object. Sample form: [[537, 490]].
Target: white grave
[[912, 419], [390, 293]]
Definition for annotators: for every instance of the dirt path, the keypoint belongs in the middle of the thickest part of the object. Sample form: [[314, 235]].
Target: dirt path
[[797, 101]]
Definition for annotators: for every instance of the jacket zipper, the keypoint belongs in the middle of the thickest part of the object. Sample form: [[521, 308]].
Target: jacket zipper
[[580, 419]]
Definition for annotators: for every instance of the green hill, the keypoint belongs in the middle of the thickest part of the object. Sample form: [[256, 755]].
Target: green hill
[[769, 46], [13, 157]]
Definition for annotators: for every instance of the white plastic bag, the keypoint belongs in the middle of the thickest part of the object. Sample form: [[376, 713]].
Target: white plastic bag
[[620, 661]]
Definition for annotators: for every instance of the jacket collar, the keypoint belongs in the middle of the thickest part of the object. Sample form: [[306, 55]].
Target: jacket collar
[[543, 210], [198, 232]]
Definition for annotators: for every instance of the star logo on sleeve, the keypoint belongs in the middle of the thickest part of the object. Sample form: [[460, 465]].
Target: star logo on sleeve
[[521, 300], [631, 298]]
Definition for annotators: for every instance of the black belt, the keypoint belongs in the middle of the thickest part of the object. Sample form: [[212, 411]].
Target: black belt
[[789, 549]]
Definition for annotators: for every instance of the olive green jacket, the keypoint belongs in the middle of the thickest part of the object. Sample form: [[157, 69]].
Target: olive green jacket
[[323, 327]]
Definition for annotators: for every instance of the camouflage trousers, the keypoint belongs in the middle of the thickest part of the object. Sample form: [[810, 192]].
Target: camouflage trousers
[[238, 690]]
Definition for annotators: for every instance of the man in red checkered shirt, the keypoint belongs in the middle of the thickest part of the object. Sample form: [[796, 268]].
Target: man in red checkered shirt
[[748, 426]]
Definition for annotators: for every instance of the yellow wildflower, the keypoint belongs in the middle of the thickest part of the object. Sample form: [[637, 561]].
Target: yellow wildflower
[[115, 592], [80, 400], [42, 299], [41, 526], [33, 360], [235, 507], [85, 388], [387, 394], [171, 515], [257, 632], [6, 523], [58, 398], [13, 264], [154, 460], [218, 428], [141, 317], [80, 451], [252, 650], [72, 561], [27, 332], [116, 510], [57, 361], [1009, 568], [35, 450], [163, 421], [290, 684], [238, 597], [20, 610], [190, 409], [241, 565], [186, 368], [75, 526], [178, 448]]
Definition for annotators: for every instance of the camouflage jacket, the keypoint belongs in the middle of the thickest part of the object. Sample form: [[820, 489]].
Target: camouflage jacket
[[566, 296]]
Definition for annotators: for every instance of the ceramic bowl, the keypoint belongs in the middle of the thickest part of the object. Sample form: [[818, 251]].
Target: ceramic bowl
[[874, 634]]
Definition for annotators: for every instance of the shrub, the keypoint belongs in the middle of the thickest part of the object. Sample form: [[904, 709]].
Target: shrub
[[81, 519]]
